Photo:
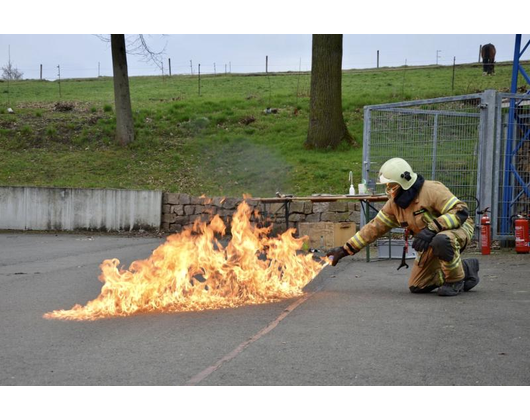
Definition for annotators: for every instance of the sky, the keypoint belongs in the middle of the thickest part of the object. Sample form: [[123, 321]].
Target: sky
[[79, 55]]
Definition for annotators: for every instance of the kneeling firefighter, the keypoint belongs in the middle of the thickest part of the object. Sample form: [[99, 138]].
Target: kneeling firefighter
[[439, 221]]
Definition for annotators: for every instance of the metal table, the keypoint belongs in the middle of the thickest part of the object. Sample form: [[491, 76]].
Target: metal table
[[364, 199]]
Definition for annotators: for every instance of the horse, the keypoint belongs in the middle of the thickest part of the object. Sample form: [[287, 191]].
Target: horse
[[488, 58]]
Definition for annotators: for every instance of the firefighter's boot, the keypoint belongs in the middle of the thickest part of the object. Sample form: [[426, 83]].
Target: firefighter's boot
[[471, 271], [451, 289]]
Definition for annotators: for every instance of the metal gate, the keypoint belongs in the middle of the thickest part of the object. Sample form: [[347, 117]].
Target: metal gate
[[450, 140], [512, 174]]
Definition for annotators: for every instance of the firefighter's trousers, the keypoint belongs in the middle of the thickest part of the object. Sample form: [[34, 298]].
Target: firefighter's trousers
[[432, 268]]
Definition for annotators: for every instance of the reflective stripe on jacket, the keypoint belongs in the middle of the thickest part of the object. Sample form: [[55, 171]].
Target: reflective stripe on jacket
[[434, 207]]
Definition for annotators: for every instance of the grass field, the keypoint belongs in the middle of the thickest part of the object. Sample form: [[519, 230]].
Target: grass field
[[218, 143]]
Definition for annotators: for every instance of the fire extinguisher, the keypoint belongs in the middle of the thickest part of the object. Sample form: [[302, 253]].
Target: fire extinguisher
[[485, 232], [522, 235]]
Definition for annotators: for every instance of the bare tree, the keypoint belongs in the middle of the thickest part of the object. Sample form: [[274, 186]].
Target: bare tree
[[122, 96], [10, 72], [327, 128]]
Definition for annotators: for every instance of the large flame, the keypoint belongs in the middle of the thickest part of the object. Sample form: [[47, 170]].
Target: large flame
[[192, 271]]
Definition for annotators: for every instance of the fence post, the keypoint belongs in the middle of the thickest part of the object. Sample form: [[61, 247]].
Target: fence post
[[59, 76], [199, 80], [498, 165], [169, 65], [487, 150], [41, 72], [366, 153], [377, 58], [453, 83], [434, 147]]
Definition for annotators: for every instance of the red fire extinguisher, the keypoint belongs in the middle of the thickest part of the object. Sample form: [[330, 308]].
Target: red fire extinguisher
[[485, 232], [522, 235]]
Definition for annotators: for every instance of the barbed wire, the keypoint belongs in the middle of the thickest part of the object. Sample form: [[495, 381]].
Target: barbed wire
[[82, 73], [397, 57], [49, 72]]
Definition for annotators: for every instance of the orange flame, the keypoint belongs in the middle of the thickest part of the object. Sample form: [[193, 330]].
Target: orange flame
[[192, 271]]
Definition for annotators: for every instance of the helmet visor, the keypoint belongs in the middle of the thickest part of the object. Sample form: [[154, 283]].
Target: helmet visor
[[383, 180]]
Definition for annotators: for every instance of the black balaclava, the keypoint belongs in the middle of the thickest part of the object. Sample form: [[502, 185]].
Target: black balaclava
[[405, 197]]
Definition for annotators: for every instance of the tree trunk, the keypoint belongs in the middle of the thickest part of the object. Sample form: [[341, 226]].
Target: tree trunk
[[326, 123], [122, 96]]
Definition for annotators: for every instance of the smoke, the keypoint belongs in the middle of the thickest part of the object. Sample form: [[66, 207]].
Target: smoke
[[239, 165]]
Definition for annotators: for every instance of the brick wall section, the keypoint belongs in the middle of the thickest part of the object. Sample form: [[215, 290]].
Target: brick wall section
[[180, 210]]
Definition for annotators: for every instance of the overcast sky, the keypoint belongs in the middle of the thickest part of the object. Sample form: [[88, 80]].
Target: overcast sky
[[78, 55]]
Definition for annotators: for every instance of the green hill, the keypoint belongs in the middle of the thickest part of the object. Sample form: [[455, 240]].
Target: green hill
[[218, 143]]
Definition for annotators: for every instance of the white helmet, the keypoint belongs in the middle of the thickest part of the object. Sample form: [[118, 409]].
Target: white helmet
[[399, 171]]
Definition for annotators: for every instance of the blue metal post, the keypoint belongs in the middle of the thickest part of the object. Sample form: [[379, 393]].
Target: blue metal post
[[507, 185], [510, 172]]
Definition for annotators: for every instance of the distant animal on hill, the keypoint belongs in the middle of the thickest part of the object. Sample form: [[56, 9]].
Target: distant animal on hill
[[488, 58]]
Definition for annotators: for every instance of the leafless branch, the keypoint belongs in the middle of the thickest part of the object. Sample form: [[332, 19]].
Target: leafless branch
[[103, 38], [10, 72], [137, 45]]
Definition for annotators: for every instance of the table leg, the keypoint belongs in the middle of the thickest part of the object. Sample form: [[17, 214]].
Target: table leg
[[287, 205], [366, 220]]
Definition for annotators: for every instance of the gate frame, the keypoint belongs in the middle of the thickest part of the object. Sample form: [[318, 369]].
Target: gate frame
[[509, 171], [504, 162], [490, 100]]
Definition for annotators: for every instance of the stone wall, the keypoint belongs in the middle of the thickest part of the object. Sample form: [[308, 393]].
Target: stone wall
[[180, 210]]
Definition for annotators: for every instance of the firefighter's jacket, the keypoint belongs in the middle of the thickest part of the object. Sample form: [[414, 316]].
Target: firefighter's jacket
[[434, 207]]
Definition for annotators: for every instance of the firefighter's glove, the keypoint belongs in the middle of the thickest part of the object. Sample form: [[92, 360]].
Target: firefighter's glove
[[423, 239], [335, 254]]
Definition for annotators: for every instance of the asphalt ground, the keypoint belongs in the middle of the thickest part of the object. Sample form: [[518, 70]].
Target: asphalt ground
[[357, 324]]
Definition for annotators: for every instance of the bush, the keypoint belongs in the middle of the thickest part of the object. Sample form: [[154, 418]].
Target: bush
[[51, 131], [26, 130], [107, 108]]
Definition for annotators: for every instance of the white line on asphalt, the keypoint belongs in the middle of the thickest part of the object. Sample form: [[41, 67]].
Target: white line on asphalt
[[208, 371]]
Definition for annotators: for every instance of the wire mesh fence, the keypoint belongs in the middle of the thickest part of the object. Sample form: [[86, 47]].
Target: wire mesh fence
[[477, 145], [439, 138], [512, 176]]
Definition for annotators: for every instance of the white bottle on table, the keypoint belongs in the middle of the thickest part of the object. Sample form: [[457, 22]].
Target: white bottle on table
[[352, 188]]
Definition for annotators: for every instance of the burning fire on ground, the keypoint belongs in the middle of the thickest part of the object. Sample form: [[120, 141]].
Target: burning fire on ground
[[193, 271]]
